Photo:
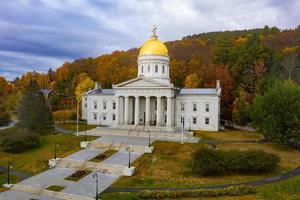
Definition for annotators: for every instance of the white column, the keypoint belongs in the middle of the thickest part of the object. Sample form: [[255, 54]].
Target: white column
[[158, 111], [147, 111], [169, 111], [126, 113], [117, 110], [137, 111]]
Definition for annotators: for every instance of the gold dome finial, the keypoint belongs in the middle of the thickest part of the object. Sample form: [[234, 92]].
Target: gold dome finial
[[154, 36], [153, 46]]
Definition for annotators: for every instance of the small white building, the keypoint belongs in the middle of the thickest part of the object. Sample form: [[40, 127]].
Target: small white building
[[151, 100]]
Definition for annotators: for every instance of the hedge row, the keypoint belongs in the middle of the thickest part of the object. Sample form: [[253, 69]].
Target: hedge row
[[230, 191], [211, 162]]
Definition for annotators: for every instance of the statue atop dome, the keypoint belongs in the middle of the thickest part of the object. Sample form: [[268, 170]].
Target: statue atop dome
[[154, 36]]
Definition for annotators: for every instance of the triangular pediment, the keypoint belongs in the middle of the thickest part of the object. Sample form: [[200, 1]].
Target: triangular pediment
[[141, 82]]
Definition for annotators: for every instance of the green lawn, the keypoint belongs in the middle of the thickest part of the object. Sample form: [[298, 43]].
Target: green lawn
[[3, 180], [169, 166], [236, 135], [73, 126], [35, 160], [284, 190]]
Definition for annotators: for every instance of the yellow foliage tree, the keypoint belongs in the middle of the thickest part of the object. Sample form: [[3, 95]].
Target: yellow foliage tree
[[192, 81], [83, 86]]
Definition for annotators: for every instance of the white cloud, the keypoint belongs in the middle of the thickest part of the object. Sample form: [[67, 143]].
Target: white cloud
[[48, 31]]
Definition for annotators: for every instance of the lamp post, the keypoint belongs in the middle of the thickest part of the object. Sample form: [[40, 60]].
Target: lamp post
[[77, 120], [182, 128], [149, 141], [128, 149], [8, 172], [55, 147], [95, 176], [85, 134]]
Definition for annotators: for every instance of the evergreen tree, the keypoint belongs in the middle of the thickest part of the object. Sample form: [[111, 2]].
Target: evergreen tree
[[33, 113]]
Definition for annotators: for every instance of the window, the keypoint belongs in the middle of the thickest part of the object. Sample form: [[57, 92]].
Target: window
[[207, 107], [95, 116], [114, 105], [85, 98], [194, 120], [104, 105], [156, 68], [85, 105], [148, 68], [182, 120], [194, 107], [95, 105], [113, 117], [104, 117], [163, 69], [182, 106], [206, 120], [142, 69]]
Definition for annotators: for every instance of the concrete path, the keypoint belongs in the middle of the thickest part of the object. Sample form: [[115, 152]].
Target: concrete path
[[12, 124], [16, 195]]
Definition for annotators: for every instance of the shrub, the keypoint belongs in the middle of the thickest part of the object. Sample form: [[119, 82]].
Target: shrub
[[63, 115], [208, 162], [4, 118], [230, 191], [15, 143]]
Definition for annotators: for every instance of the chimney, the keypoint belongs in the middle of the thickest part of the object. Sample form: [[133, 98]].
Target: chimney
[[98, 86], [218, 85]]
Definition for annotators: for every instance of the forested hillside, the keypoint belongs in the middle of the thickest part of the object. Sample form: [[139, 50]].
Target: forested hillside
[[246, 61]]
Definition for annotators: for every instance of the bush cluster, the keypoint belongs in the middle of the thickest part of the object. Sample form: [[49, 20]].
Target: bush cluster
[[211, 162], [15, 143], [64, 115], [172, 194]]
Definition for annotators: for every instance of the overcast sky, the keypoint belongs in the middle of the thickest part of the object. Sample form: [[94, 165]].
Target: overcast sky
[[39, 34]]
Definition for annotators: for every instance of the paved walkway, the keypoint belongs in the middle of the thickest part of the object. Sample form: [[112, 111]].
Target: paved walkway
[[85, 186]]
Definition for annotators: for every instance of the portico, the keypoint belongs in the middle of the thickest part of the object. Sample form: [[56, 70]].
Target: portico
[[140, 106], [144, 110]]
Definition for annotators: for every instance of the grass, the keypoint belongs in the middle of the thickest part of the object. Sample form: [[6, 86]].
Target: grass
[[284, 190], [229, 135], [73, 126], [35, 160], [103, 155], [169, 166], [3, 180], [56, 188], [77, 175]]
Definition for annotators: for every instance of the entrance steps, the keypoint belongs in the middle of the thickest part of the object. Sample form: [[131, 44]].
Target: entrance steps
[[113, 169], [49, 193], [142, 132], [116, 146]]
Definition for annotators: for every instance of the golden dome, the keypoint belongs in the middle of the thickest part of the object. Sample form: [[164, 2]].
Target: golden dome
[[153, 47]]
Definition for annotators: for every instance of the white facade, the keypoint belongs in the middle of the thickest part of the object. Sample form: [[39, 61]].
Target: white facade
[[150, 100]]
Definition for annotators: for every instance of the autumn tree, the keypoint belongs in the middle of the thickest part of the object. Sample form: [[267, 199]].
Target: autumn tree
[[192, 81], [290, 61], [240, 111], [85, 83]]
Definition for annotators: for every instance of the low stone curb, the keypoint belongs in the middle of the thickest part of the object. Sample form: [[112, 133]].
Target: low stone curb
[[49, 193]]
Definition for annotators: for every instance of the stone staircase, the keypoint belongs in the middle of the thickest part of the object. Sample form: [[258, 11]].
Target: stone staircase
[[141, 132], [92, 166], [49, 193], [115, 146]]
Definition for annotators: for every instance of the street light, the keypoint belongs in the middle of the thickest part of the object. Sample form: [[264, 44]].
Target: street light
[[182, 129], [55, 147], [149, 144], [8, 172], [85, 134], [95, 176], [128, 149], [77, 120]]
